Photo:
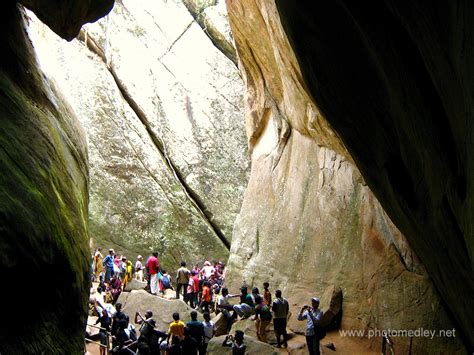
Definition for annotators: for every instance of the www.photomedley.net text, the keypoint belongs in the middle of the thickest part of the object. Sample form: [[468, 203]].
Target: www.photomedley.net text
[[419, 332]]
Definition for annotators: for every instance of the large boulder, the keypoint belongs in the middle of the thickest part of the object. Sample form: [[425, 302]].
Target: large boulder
[[221, 324], [135, 284], [254, 347], [331, 306], [163, 309], [248, 326]]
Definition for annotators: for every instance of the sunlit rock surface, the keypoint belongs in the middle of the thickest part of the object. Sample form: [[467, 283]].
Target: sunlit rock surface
[[191, 97], [308, 220], [44, 244]]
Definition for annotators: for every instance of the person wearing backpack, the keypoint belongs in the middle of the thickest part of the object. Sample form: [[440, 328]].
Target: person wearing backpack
[[165, 281], [314, 333], [263, 317]]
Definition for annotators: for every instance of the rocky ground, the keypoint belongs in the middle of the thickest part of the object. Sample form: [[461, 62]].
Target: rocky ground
[[139, 300]]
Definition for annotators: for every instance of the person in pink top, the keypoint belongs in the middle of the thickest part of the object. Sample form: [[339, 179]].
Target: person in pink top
[[193, 289], [153, 269]]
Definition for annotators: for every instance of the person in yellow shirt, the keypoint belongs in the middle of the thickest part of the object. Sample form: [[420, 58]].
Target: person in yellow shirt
[[128, 271], [176, 328]]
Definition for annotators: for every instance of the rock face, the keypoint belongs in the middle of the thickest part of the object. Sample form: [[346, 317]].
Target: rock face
[[162, 108], [254, 347], [135, 285], [163, 309], [249, 328], [396, 82], [308, 219], [43, 204]]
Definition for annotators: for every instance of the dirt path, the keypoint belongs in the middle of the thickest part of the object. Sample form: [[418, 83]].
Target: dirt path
[[343, 345]]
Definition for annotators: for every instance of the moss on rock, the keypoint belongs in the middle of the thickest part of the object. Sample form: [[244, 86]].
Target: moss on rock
[[43, 205]]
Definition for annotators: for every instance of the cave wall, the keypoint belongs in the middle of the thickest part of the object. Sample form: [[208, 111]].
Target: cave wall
[[395, 80], [308, 220], [43, 198], [182, 142], [43, 204]]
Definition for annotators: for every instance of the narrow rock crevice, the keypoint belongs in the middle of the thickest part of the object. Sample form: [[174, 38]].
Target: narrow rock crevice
[[170, 47], [219, 41], [192, 197]]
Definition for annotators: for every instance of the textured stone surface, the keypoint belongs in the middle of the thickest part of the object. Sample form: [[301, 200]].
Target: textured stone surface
[[308, 219], [396, 82], [135, 285], [220, 324], [248, 326], [163, 309], [253, 347], [43, 205], [331, 306], [191, 95]]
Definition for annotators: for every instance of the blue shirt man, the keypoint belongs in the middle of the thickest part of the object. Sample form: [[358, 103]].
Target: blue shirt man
[[313, 318], [108, 263]]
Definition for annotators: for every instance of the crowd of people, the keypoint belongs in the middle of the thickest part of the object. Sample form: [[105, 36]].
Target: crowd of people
[[195, 285], [202, 289]]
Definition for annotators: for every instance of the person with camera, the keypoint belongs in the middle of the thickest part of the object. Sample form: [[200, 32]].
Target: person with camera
[[314, 333], [236, 342]]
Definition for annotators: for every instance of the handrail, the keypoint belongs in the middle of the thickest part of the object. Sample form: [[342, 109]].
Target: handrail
[[106, 346], [386, 341]]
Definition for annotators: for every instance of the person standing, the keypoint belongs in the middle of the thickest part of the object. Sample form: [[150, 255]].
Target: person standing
[[139, 268], [280, 310], [128, 272], [105, 323], [189, 345], [182, 280], [165, 281], [196, 330], [98, 266], [209, 331], [191, 287], [263, 317], [108, 263], [207, 270], [206, 297], [176, 328], [118, 317], [313, 318], [267, 295], [117, 264], [153, 269]]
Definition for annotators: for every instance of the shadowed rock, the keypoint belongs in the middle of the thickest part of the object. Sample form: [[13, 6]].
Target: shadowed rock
[[66, 17]]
